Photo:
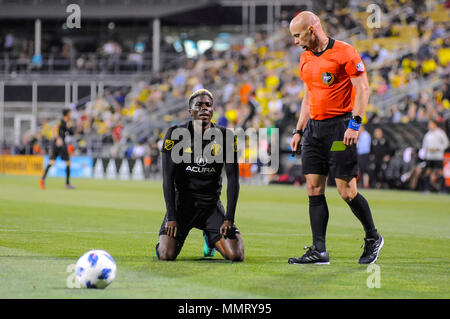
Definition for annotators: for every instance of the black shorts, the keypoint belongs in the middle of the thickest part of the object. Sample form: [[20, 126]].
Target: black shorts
[[208, 218], [317, 157], [59, 151], [434, 164]]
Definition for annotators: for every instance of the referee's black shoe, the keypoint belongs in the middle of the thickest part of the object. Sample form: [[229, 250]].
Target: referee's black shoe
[[312, 256], [372, 249]]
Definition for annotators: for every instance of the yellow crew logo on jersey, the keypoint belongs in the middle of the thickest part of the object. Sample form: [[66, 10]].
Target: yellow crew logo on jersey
[[328, 78], [168, 144]]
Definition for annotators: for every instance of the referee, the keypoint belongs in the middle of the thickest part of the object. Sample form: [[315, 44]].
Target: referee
[[336, 96], [192, 188]]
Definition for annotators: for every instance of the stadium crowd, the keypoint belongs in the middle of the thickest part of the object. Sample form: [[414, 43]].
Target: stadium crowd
[[256, 84]]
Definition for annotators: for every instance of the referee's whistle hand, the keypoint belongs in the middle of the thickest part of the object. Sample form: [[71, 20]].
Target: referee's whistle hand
[[171, 228], [350, 137], [295, 141]]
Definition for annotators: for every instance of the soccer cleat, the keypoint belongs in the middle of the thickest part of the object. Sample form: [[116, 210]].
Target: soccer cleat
[[42, 184], [312, 256], [208, 251], [372, 249], [69, 186]]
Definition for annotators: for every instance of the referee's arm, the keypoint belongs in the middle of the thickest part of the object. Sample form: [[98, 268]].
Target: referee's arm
[[303, 118], [361, 85], [362, 89]]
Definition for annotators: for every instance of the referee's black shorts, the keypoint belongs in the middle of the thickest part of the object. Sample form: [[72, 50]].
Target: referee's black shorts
[[193, 214], [317, 140], [59, 151]]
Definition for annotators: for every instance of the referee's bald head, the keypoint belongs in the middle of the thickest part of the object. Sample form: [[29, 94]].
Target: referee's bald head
[[307, 31], [199, 93], [304, 20]]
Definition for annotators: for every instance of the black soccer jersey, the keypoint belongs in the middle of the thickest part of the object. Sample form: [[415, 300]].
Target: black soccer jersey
[[198, 175], [63, 129]]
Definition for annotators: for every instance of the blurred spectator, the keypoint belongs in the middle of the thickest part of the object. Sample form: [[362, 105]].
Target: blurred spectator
[[434, 144], [8, 42], [154, 156], [380, 155], [363, 149], [141, 149]]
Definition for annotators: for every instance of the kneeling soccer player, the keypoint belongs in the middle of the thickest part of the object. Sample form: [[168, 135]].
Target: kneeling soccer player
[[192, 188]]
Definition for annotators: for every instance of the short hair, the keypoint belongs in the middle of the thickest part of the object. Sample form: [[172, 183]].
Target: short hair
[[66, 111], [198, 93]]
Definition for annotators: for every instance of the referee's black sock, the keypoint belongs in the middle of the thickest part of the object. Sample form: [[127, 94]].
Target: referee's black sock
[[318, 215], [360, 207], [67, 174], [46, 171]]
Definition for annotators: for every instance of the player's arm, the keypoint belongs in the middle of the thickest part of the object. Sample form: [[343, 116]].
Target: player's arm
[[56, 136], [232, 172], [168, 172], [302, 120]]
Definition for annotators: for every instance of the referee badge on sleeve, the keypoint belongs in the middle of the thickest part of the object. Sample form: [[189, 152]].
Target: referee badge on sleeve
[[168, 144], [360, 66]]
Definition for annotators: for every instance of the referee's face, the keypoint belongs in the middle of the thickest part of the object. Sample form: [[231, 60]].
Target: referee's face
[[202, 109], [304, 38]]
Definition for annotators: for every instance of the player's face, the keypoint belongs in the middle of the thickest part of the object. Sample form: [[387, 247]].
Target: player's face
[[202, 109]]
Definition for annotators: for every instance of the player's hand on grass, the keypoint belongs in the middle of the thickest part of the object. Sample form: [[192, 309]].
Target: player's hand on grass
[[350, 137], [225, 229], [171, 228]]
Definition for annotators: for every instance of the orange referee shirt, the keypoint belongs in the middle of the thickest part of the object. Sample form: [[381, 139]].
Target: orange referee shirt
[[327, 75]]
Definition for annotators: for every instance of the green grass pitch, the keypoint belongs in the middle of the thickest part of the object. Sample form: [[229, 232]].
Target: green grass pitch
[[44, 232]]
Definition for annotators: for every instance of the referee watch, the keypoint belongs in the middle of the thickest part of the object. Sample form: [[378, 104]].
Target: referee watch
[[357, 119], [295, 131], [355, 123]]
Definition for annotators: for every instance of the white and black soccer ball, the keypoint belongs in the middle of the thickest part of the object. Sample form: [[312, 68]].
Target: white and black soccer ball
[[95, 269]]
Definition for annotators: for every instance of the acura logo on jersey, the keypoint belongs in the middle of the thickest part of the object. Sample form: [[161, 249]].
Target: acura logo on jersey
[[201, 161], [328, 78], [196, 169]]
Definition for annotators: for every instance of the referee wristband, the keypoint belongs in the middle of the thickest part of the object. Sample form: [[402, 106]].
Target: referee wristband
[[353, 125]]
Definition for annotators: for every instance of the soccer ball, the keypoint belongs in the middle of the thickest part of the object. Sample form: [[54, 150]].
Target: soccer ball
[[95, 269]]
